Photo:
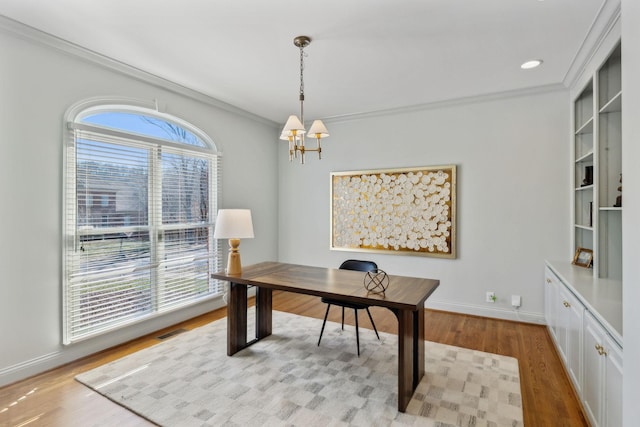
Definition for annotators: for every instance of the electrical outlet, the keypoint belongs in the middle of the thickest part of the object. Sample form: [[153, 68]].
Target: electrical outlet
[[516, 301], [491, 296]]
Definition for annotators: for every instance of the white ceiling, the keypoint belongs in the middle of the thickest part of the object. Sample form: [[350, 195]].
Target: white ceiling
[[366, 55]]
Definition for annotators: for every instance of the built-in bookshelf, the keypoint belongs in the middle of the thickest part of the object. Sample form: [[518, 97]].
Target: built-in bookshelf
[[597, 186]]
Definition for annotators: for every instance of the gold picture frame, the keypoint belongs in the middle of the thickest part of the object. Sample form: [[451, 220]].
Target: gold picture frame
[[583, 257], [407, 211]]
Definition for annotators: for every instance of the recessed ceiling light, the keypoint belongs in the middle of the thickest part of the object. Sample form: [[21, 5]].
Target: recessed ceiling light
[[531, 64]]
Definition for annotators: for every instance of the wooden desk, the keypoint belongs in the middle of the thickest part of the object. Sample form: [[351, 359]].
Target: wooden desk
[[405, 296]]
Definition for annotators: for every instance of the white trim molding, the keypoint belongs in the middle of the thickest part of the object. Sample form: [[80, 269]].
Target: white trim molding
[[535, 90], [38, 365], [606, 22], [31, 34], [516, 315]]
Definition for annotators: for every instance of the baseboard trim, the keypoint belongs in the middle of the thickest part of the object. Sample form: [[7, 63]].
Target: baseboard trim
[[496, 312], [67, 354], [22, 368]]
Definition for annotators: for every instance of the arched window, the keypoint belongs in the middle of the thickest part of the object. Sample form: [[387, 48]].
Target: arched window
[[140, 199]]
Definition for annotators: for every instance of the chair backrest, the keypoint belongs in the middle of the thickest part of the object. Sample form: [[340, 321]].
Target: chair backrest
[[358, 265]]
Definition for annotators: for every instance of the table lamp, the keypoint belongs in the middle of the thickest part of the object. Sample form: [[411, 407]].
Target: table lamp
[[233, 224]]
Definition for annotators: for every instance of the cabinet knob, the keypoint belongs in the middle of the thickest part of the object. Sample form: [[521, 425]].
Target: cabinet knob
[[601, 350], [548, 280], [566, 304]]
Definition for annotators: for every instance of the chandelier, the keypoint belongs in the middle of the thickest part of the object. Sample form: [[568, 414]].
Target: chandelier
[[294, 130]]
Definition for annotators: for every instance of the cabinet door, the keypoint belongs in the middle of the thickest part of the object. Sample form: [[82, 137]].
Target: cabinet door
[[593, 381], [613, 385], [550, 301], [573, 312], [562, 321]]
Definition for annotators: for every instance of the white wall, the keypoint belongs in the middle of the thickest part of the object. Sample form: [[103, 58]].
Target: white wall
[[631, 203], [37, 84], [512, 203]]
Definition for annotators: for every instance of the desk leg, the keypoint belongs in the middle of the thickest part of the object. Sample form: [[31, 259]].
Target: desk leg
[[263, 310], [236, 318], [410, 354], [418, 347]]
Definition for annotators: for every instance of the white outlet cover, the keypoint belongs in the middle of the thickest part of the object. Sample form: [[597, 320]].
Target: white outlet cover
[[516, 301]]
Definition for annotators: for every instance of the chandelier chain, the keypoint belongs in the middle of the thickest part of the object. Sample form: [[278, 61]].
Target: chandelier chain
[[302, 89], [302, 54]]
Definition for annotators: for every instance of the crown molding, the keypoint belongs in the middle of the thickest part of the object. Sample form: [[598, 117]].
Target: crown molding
[[535, 90], [605, 24], [31, 34]]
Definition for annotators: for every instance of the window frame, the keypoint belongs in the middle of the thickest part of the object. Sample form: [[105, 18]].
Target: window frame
[[74, 129]]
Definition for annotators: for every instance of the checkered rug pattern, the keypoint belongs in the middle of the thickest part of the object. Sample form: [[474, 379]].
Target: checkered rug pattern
[[287, 380]]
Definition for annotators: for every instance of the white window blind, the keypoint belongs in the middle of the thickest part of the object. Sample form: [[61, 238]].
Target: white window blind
[[139, 228]]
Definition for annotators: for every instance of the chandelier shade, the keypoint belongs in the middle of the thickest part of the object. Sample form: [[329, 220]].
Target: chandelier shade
[[318, 130], [293, 126]]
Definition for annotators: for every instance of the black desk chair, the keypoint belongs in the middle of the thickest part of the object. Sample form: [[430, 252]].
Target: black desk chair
[[357, 265]]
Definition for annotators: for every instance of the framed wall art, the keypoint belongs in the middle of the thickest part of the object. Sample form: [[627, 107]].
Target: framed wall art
[[409, 211]]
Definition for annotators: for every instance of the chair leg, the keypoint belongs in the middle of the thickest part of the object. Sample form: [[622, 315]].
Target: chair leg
[[372, 324], [355, 312], [324, 323], [343, 318]]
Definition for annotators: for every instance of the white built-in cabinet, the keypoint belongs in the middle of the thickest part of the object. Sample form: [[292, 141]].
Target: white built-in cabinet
[[597, 166], [583, 306], [565, 319], [585, 339], [603, 375]]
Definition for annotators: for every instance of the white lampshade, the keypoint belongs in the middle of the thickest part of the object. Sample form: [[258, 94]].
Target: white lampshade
[[293, 124], [285, 135], [318, 130], [233, 224]]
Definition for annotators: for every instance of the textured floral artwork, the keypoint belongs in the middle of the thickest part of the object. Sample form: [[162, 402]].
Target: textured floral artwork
[[405, 211]]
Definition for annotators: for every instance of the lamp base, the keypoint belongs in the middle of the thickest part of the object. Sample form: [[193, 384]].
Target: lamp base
[[234, 267]]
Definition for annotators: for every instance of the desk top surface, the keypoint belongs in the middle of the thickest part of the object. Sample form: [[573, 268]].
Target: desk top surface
[[405, 293]]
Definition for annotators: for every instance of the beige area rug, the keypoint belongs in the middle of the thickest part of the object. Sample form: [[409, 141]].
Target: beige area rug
[[287, 380]]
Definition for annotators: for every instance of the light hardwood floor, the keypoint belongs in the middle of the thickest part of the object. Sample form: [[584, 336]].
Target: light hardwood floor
[[54, 398]]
